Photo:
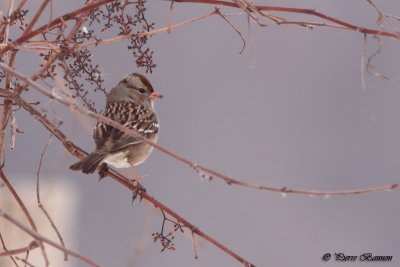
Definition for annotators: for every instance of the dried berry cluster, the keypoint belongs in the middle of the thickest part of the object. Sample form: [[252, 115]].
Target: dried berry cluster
[[82, 75], [117, 14], [167, 238], [77, 62], [18, 16]]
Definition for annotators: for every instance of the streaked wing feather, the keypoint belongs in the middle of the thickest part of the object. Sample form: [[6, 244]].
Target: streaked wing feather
[[130, 115]]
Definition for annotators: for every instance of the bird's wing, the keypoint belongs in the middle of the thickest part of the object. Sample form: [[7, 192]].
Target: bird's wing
[[130, 115]]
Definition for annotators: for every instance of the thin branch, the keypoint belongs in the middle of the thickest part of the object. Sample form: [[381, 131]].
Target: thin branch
[[105, 41], [363, 54], [25, 262], [310, 12], [20, 5], [13, 129], [382, 18], [25, 211], [50, 61], [31, 246], [127, 182], [3, 125], [5, 249], [170, 16], [79, 153], [28, 47], [184, 23], [250, 9], [10, 11], [370, 66], [41, 206], [312, 24], [36, 16], [218, 11], [42, 239], [7, 104], [58, 21], [67, 101], [181, 24], [194, 245]]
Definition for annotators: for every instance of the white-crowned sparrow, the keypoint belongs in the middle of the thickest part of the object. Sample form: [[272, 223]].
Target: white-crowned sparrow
[[131, 103]]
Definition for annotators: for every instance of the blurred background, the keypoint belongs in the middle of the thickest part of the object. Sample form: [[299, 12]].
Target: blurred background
[[290, 111]]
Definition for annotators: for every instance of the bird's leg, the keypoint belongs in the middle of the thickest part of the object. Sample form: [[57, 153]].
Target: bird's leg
[[139, 189], [102, 169]]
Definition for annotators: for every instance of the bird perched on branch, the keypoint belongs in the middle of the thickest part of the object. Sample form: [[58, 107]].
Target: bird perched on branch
[[131, 103]]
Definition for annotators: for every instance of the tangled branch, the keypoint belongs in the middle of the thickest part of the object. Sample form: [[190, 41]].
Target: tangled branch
[[69, 51], [79, 153], [67, 101]]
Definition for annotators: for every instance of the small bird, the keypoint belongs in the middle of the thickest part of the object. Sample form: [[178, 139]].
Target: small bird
[[131, 103]]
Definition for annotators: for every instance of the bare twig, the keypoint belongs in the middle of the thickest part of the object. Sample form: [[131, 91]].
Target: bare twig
[[25, 211], [20, 5], [218, 11], [363, 52], [127, 182], [169, 28], [76, 151], [238, 4], [58, 21], [194, 245], [382, 17], [42, 239], [7, 103], [32, 245], [250, 9], [10, 11], [25, 261], [40, 204], [50, 61], [13, 129], [5, 249], [310, 12], [36, 16], [371, 68], [65, 100], [106, 41], [170, 16]]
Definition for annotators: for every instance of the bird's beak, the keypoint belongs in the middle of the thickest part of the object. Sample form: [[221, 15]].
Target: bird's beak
[[155, 95]]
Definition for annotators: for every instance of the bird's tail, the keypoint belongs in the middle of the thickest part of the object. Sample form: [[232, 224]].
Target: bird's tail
[[88, 164]]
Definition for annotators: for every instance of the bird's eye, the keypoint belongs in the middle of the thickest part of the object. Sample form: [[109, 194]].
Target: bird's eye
[[141, 90]]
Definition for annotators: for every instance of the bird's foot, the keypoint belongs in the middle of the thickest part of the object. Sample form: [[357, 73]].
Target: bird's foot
[[138, 189], [102, 170]]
